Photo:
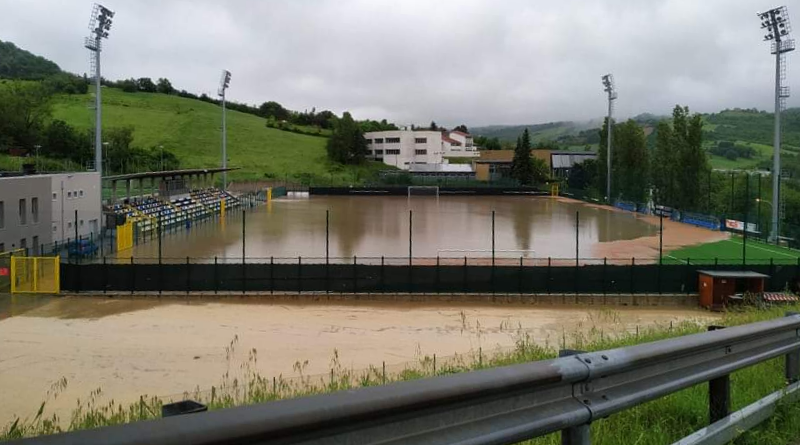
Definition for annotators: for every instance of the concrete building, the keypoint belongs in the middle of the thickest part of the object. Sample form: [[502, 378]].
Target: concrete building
[[403, 148], [72, 192], [25, 212], [36, 210]]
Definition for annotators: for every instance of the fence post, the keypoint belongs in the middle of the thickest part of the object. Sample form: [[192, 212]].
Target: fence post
[[688, 274], [437, 273], [383, 283], [355, 275], [188, 276], [216, 277], [719, 393], [633, 267], [133, 276], [549, 278], [244, 256], [792, 360], [492, 250], [464, 276], [271, 275], [605, 274], [576, 435], [410, 237], [519, 276], [299, 275], [772, 273]]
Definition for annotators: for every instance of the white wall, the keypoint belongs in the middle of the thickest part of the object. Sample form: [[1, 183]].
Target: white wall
[[71, 192], [408, 147]]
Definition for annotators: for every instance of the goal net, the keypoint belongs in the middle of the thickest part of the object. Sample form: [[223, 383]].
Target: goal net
[[423, 190]]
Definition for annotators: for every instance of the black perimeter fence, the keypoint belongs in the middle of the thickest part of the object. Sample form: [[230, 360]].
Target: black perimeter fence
[[399, 275]]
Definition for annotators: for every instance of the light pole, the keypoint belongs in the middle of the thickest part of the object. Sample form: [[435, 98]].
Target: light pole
[[99, 25], [224, 82], [776, 23], [608, 84]]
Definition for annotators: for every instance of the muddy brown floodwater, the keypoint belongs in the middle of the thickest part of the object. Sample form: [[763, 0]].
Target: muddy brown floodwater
[[369, 226], [132, 347]]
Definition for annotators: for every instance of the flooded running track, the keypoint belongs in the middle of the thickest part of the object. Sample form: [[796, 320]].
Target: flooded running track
[[130, 347], [369, 226]]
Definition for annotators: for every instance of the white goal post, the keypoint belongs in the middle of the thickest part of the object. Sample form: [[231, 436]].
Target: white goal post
[[423, 190]]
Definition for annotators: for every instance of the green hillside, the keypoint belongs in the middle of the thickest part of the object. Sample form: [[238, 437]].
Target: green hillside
[[192, 130], [16, 63]]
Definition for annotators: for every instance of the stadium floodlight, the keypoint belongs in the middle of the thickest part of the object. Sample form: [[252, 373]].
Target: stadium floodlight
[[609, 87], [224, 83], [99, 25], [776, 24]]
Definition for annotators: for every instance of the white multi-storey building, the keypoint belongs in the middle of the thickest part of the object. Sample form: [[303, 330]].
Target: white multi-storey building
[[403, 148]]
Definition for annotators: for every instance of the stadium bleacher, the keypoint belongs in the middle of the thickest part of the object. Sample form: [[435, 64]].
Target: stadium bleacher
[[183, 210]]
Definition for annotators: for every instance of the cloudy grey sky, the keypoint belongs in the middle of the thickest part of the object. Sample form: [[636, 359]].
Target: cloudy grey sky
[[412, 61]]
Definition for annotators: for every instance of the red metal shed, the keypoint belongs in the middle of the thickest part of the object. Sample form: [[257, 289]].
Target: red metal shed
[[715, 286]]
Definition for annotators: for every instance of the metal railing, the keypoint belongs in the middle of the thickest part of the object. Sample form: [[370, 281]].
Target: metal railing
[[496, 406]]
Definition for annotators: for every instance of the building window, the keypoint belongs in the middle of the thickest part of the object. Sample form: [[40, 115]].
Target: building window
[[420, 140], [80, 193], [54, 228], [35, 210], [2, 247], [2, 215], [81, 223], [392, 140], [378, 140], [392, 152], [69, 225], [380, 152], [35, 245], [369, 141], [69, 195], [23, 211], [420, 152], [55, 196], [23, 243]]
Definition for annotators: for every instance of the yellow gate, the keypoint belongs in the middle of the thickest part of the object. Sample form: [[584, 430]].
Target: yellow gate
[[554, 189], [38, 275], [125, 236]]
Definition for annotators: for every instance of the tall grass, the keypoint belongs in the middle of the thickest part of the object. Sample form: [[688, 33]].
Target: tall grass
[[658, 422]]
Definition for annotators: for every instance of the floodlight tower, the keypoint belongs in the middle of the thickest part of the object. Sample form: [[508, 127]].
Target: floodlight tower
[[776, 23], [608, 83], [224, 82], [99, 25]]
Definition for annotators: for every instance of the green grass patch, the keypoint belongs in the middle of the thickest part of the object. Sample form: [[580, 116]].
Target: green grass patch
[[192, 129], [730, 252], [661, 421]]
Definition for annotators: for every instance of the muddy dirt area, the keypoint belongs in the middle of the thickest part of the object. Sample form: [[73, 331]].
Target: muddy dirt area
[[131, 347]]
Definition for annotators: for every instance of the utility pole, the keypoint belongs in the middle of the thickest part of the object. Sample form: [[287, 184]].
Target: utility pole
[[608, 83], [224, 82], [777, 25]]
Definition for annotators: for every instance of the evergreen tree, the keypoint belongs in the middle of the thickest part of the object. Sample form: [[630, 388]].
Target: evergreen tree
[[632, 165], [522, 164], [434, 127], [664, 165], [347, 144]]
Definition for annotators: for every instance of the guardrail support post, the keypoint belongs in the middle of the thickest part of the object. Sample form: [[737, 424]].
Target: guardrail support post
[[576, 435], [792, 361], [719, 393]]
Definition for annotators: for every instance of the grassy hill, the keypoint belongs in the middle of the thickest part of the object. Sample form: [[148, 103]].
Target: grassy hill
[[192, 130]]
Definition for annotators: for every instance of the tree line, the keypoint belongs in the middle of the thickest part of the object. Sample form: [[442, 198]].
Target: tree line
[[672, 173]]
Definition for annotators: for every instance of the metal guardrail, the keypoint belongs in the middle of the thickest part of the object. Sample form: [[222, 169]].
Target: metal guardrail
[[495, 406]]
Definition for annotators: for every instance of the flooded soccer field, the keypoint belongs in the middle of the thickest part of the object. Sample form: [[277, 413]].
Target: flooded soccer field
[[448, 226], [130, 347]]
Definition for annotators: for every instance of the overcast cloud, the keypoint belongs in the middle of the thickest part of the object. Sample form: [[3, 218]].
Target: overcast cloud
[[473, 62]]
